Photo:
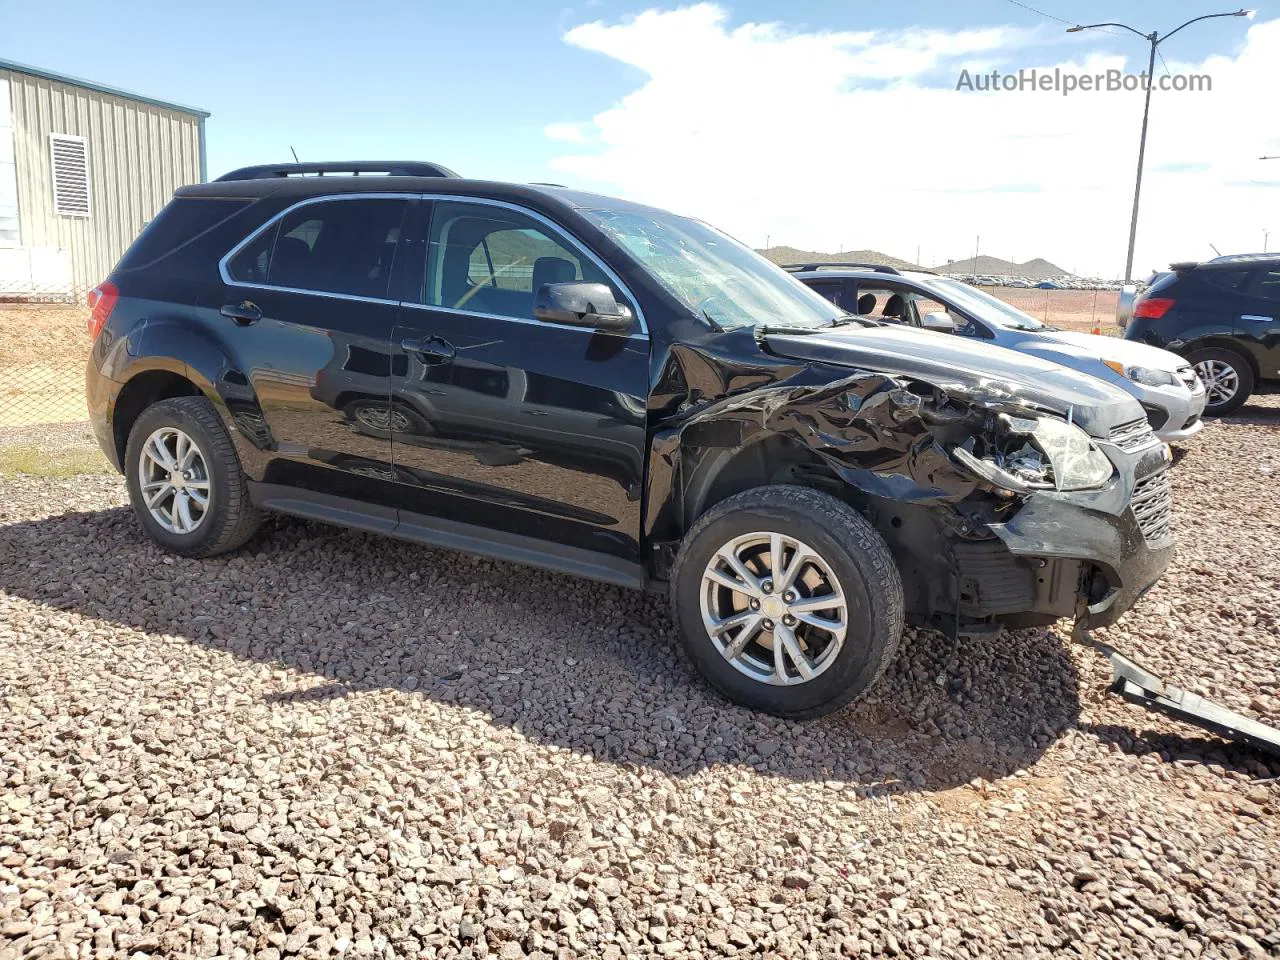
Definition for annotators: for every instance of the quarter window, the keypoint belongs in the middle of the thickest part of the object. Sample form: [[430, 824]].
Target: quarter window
[[1233, 280], [487, 259]]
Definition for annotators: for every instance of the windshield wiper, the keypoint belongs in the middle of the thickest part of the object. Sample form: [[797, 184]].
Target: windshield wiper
[[763, 329]]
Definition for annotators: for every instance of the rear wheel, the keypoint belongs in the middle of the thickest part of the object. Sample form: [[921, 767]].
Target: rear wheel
[[1227, 378], [185, 481], [788, 601]]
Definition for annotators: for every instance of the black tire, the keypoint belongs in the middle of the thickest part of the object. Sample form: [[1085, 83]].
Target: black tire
[[1244, 378], [230, 518], [856, 554]]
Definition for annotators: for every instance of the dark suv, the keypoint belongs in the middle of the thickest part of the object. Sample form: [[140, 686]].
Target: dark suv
[[611, 391], [1223, 316]]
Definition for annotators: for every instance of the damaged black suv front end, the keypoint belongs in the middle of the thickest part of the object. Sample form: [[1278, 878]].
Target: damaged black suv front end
[[1011, 492]]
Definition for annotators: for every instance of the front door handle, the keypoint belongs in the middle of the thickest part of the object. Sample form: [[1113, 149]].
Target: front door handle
[[243, 313], [429, 349], [1254, 316]]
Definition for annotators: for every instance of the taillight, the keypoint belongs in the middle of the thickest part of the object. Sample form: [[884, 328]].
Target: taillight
[[102, 300], [1153, 308]]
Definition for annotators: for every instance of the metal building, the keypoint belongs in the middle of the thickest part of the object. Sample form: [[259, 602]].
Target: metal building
[[83, 168]]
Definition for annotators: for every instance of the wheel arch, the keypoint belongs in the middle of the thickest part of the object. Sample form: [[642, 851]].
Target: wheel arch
[[142, 390], [762, 458], [1224, 343]]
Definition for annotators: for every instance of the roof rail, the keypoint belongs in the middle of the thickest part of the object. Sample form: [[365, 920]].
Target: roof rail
[[391, 168], [877, 267], [1245, 257]]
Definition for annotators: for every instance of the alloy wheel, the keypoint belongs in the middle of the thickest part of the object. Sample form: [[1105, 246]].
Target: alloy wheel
[[1220, 381], [173, 478], [773, 608]]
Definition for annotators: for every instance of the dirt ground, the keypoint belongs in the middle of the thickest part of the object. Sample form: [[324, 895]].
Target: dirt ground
[[333, 744]]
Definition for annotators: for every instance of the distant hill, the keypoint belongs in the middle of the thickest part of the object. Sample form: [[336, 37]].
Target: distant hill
[[995, 267], [792, 255]]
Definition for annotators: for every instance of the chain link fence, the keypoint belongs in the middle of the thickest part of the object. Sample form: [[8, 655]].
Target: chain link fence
[[44, 347]]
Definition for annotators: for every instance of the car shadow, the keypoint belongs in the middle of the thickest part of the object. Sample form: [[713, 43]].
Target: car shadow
[[1260, 410], [578, 665]]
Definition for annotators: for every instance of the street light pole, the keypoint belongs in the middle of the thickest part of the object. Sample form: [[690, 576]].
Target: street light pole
[[1155, 40]]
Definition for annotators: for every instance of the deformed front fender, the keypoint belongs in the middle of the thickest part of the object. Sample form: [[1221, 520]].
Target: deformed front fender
[[880, 435]]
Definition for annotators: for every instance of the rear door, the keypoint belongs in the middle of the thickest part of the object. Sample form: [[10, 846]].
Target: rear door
[[311, 318], [1259, 320], [504, 421]]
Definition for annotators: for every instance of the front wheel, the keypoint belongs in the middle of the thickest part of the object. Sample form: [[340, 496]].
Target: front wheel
[[788, 601], [1227, 378]]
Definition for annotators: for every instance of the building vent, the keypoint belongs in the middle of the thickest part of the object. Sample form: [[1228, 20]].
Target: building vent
[[70, 175]]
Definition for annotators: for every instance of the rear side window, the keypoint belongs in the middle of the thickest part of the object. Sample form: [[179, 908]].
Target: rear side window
[[334, 246], [182, 220], [1266, 284]]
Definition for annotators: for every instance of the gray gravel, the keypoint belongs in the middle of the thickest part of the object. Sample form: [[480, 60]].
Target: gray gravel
[[336, 744]]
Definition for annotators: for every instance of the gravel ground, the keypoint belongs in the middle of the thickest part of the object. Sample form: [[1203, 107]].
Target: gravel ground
[[336, 744]]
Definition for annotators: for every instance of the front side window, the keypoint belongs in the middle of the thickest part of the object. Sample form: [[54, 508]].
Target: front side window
[[334, 246], [488, 259], [984, 306]]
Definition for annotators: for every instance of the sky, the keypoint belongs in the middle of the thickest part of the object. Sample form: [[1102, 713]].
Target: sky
[[816, 124]]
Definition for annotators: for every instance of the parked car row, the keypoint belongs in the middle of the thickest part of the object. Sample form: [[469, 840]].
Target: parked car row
[[619, 393], [1163, 383], [1065, 282]]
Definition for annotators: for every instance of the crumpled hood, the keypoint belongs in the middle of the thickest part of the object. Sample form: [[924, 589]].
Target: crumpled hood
[[1105, 348], [966, 365]]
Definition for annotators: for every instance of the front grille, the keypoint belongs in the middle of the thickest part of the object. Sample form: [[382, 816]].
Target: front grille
[[1132, 436], [1152, 505]]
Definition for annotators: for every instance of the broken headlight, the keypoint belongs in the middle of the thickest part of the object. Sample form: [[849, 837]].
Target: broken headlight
[[1037, 453]]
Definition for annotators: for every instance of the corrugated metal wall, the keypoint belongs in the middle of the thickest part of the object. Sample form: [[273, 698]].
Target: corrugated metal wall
[[138, 155]]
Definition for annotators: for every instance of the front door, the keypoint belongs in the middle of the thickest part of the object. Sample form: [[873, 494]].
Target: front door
[[502, 421], [314, 332]]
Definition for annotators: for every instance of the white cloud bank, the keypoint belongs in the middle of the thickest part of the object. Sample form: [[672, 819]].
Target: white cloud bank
[[825, 140]]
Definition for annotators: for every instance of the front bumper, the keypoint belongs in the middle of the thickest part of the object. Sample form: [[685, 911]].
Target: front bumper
[[1113, 559], [1174, 412]]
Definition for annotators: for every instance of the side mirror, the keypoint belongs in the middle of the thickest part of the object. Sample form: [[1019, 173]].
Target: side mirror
[[1125, 304], [580, 304], [938, 322]]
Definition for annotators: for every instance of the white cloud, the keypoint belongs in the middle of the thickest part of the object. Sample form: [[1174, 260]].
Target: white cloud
[[568, 132], [825, 140]]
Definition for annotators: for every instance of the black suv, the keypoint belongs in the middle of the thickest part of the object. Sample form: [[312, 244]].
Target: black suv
[[611, 391], [1223, 316]]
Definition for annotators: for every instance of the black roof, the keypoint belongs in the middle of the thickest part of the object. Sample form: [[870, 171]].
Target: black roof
[[287, 180]]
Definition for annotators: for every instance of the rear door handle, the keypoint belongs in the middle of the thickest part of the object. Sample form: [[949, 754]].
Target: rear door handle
[[1254, 316], [430, 349], [243, 313]]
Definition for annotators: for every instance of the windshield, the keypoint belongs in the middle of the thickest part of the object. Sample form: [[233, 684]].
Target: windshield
[[984, 306], [712, 274]]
